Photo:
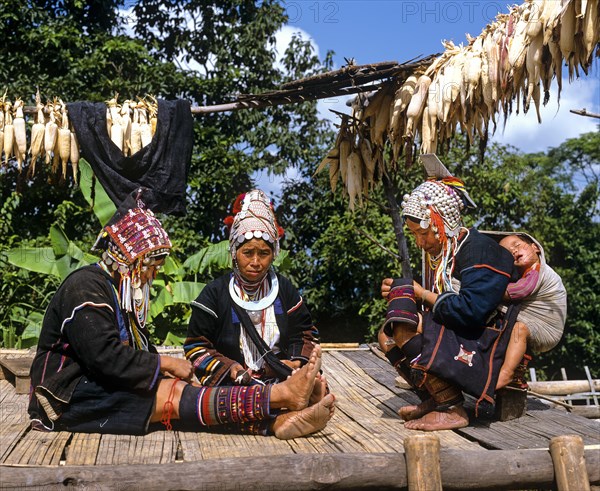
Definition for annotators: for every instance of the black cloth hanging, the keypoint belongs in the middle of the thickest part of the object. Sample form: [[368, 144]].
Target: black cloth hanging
[[162, 166]]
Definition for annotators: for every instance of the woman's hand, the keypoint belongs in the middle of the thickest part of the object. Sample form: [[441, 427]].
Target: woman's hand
[[418, 290], [386, 286], [176, 367], [234, 370]]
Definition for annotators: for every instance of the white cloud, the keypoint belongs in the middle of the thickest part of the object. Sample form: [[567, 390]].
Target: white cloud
[[558, 123], [283, 38]]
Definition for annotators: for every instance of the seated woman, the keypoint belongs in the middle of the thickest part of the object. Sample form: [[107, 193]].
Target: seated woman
[[250, 325], [96, 372], [455, 343]]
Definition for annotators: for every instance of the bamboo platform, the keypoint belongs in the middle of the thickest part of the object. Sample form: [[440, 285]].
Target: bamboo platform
[[361, 448]]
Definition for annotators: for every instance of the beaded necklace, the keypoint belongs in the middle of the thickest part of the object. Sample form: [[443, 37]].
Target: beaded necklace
[[445, 264], [254, 296], [137, 337], [257, 299]]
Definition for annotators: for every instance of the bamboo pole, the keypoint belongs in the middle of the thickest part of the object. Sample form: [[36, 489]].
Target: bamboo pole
[[585, 112], [423, 462], [568, 456], [390, 193]]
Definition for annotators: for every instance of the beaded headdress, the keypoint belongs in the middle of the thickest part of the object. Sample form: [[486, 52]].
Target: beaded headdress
[[138, 233], [436, 203], [254, 218], [131, 242]]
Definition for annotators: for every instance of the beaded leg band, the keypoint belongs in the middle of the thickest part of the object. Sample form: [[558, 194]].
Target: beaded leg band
[[402, 307], [212, 406]]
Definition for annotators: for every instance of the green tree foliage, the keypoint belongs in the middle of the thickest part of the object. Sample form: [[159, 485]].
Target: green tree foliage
[[205, 52]]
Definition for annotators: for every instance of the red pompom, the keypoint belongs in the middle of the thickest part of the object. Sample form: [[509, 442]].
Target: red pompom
[[235, 209], [237, 204]]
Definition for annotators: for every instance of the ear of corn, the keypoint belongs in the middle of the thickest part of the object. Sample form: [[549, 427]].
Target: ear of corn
[[145, 129], [334, 173], [36, 148], [64, 141], [74, 156], [354, 178], [50, 134], [126, 123], [136, 134], [591, 28], [534, 72], [9, 133], [20, 134], [345, 150], [417, 103], [116, 127]]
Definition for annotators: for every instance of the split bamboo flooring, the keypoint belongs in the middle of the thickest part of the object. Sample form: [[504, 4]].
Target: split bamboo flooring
[[365, 422]]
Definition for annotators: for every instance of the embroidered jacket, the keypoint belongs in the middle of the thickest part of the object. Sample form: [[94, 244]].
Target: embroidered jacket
[[484, 270], [85, 332], [213, 338]]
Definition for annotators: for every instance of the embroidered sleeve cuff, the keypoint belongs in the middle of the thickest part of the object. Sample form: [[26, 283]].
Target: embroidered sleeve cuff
[[440, 299]]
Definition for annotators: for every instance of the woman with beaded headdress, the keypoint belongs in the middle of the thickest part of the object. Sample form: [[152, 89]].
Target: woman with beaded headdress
[[250, 325], [96, 371], [457, 341]]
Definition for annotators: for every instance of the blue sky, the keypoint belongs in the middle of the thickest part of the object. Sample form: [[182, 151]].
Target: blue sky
[[371, 31]]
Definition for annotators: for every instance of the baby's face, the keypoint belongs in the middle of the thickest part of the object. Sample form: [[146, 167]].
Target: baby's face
[[525, 254]]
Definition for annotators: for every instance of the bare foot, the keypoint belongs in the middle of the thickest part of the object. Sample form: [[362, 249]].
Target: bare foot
[[319, 390], [453, 418], [294, 393], [408, 413], [294, 424]]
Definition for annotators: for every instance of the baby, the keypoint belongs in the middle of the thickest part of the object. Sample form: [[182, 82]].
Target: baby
[[543, 299]]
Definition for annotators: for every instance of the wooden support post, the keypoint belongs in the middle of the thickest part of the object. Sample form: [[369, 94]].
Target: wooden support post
[[511, 403], [423, 469], [569, 463]]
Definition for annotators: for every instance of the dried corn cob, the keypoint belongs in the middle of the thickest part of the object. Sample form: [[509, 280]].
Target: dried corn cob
[[126, 123], [50, 134], [64, 141], [116, 128], [417, 103], [9, 132], [136, 133], [145, 130], [74, 156], [36, 148], [20, 148]]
